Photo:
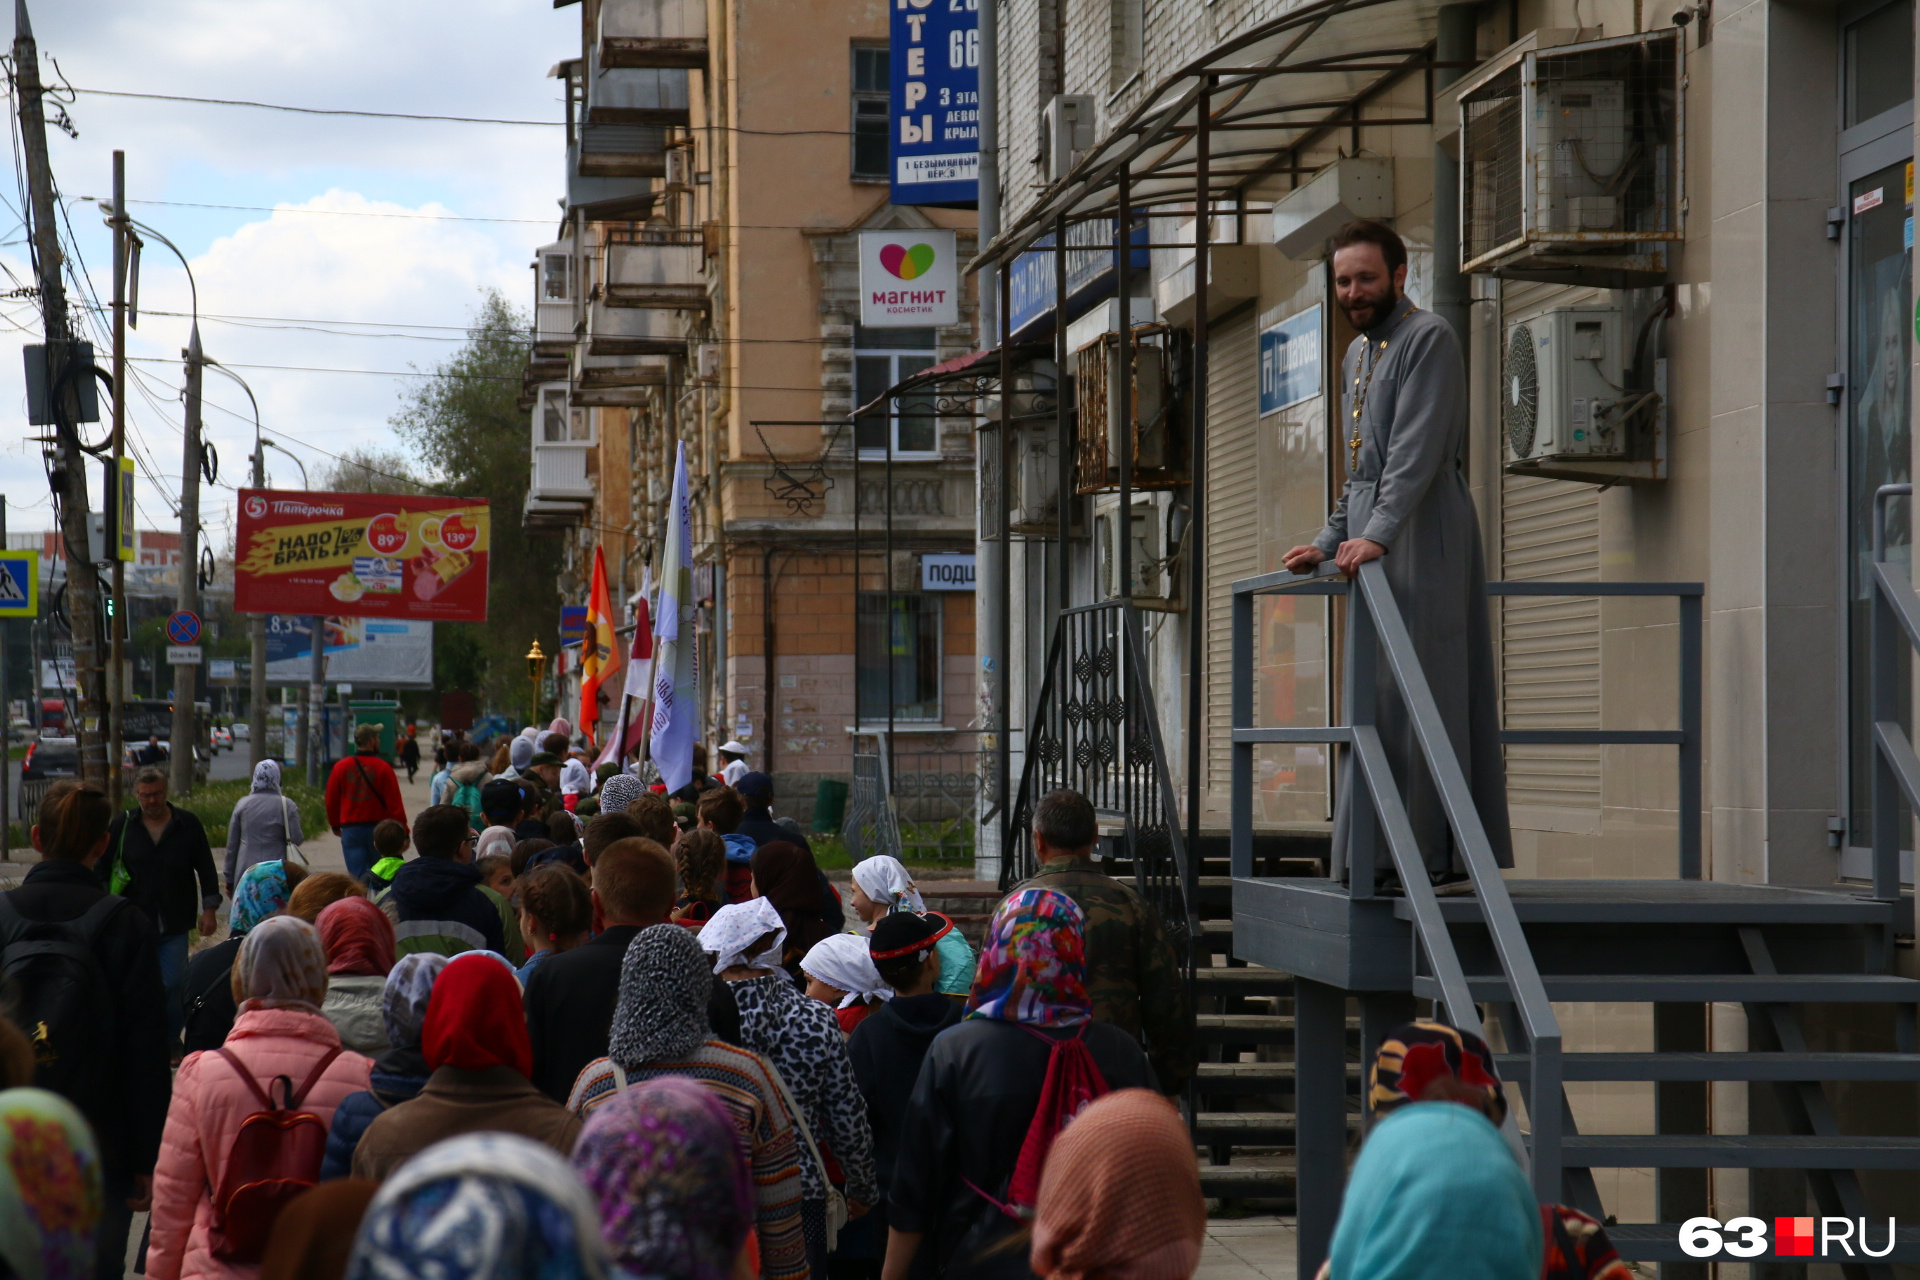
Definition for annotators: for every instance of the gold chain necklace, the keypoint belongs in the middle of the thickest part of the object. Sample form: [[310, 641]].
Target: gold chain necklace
[[1360, 390]]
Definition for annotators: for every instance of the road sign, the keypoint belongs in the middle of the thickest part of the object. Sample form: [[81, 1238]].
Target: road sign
[[183, 655], [183, 627], [19, 584]]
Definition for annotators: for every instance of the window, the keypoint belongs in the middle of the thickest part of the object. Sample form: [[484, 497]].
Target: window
[[1879, 70], [560, 423], [870, 107], [898, 657], [881, 358], [1127, 29], [554, 274]]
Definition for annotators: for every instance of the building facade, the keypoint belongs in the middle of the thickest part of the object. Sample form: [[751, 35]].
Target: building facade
[[703, 293]]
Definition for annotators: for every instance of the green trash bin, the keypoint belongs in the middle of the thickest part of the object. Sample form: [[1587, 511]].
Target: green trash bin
[[829, 805]]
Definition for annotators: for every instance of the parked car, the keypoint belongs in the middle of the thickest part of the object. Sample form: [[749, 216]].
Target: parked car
[[222, 739], [51, 758], [241, 731]]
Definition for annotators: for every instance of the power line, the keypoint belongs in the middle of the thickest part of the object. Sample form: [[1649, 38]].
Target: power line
[[420, 373], [334, 213], [315, 111]]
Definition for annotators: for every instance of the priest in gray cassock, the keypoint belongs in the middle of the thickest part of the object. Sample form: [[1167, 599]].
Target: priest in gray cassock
[[1404, 419]]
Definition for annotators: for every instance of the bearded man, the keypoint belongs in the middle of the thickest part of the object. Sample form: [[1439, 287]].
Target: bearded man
[[1404, 427]]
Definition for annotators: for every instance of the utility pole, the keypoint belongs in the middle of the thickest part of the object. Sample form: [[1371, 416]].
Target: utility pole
[[257, 626], [122, 509], [69, 462], [184, 681]]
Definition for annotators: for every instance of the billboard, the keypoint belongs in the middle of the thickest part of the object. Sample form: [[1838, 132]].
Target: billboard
[[934, 117], [385, 652], [364, 555], [909, 279]]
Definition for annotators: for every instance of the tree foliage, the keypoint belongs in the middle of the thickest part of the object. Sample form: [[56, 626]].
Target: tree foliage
[[470, 437], [372, 471]]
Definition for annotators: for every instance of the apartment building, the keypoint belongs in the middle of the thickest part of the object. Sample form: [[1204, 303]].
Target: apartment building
[[702, 293]]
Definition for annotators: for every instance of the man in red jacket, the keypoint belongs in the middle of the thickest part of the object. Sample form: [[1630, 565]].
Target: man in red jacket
[[361, 793]]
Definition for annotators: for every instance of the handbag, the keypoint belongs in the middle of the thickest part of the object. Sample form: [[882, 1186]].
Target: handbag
[[290, 854]]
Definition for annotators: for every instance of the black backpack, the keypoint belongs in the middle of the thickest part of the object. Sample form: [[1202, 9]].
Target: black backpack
[[61, 997]]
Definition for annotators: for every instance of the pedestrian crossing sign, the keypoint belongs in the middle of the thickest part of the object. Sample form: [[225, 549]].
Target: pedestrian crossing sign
[[19, 584]]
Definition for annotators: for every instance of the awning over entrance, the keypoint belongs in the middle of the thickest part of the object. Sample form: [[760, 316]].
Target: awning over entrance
[[1271, 95]]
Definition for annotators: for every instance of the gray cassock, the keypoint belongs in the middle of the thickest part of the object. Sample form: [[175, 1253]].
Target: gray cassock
[[1409, 495]]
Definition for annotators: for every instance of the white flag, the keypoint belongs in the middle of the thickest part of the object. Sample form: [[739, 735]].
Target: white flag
[[676, 718]]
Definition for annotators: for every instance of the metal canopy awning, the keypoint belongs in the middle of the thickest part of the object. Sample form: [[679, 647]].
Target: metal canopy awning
[[1271, 94]]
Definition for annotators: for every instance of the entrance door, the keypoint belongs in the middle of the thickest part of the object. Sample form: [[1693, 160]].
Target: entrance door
[[1876, 190]]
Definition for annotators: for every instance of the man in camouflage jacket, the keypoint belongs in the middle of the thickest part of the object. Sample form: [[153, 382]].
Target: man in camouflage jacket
[[1133, 973]]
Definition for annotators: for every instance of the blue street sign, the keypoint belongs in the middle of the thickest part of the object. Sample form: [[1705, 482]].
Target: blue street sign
[[19, 584], [1291, 369], [934, 116], [573, 622], [183, 627]]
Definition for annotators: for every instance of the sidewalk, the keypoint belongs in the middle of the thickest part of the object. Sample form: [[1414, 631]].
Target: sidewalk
[[1258, 1248]]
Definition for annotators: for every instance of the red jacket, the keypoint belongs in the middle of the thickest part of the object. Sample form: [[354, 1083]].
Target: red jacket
[[362, 788]]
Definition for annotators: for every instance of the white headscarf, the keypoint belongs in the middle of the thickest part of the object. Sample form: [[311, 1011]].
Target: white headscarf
[[884, 879], [266, 777], [842, 960], [737, 926], [574, 779], [281, 965], [495, 840]]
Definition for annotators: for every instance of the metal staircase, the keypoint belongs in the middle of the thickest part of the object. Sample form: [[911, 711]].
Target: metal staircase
[[1506, 953]]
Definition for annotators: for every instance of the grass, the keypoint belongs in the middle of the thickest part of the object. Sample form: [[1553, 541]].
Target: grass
[[213, 803]]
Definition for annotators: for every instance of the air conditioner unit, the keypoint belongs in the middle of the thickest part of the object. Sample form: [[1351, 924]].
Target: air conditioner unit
[[1571, 162], [1066, 133], [1161, 369], [1565, 392], [1157, 576]]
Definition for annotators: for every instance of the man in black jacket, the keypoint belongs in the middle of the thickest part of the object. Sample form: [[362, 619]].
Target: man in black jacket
[[437, 895], [758, 824], [126, 1103], [570, 998], [163, 852]]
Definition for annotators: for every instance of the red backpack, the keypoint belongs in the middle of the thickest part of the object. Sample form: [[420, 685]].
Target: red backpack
[[1073, 1081], [274, 1157]]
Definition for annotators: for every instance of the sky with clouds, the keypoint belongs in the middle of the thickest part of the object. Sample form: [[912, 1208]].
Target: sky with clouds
[[359, 245]]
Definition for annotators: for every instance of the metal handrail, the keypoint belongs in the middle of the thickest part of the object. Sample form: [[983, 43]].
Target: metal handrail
[[1894, 614]]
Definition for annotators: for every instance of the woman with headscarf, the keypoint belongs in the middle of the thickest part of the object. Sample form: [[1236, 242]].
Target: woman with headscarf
[[475, 1042], [881, 886], [675, 1194], [1430, 1062], [980, 1088], [840, 974], [801, 1038], [660, 1028], [483, 1206], [263, 824], [279, 983], [785, 874], [398, 1074], [262, 892], [575, 782], [619, 791], [51, 1187], [1120, 1197], [359, 942]]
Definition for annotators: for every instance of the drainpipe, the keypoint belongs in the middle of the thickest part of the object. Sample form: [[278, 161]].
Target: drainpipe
[[1455, 42]]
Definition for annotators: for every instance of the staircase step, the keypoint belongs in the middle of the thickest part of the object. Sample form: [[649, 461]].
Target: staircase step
[[1738, 1151], [1248, 1182], [1722, 1066], [1252, 1028], [1782, 988], [1251, 1077], [1251, 1128], [1660, 1242], [1250, 981]]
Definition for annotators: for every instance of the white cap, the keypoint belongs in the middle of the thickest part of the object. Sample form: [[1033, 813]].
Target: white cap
[[735, 747]]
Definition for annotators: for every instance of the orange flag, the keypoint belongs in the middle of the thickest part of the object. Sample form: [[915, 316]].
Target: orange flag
[[600, 652]]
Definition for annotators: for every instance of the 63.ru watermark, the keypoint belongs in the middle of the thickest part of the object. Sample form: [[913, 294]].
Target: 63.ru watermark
[[1792, 1238]]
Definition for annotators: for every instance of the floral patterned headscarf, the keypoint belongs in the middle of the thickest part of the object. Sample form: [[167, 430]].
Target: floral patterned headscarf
[[664, 1162], [50, 1192], [262, 892], [1033, 963]]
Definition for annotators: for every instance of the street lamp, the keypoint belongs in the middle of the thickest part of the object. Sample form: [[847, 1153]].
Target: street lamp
[[536, 667]]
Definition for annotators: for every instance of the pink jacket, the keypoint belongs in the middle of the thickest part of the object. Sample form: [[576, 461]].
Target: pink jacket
[[209, 1104]]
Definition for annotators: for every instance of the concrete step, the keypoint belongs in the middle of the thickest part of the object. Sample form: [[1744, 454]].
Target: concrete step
[[1220, 980], [1722, 1066], [1251, 1128], [1271, 1180], [1251, 1028], [1662, 988], [1738, 1151]]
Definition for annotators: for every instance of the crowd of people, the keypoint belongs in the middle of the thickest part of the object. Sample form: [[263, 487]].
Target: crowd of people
[[562, 1024]]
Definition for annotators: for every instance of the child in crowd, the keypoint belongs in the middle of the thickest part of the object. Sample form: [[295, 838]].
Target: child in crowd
[[701, 857], [564, 829], [720, 812], [841, 975], [656, 819], [390, 843], [496, 882], [556, 914]]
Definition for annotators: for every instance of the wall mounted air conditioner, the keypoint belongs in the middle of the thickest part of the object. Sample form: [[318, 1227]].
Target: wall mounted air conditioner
[[1570, 160], [1354, 187], [1565, 387], [1157, 576], [1066, 133]]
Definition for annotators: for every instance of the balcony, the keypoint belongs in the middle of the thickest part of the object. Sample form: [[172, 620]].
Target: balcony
[[635, 95], [653, 33], [605, 382], [634, 331], [562, 447], [663, 269]]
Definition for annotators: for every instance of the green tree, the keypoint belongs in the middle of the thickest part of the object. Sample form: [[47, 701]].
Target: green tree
[[469, 434]]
